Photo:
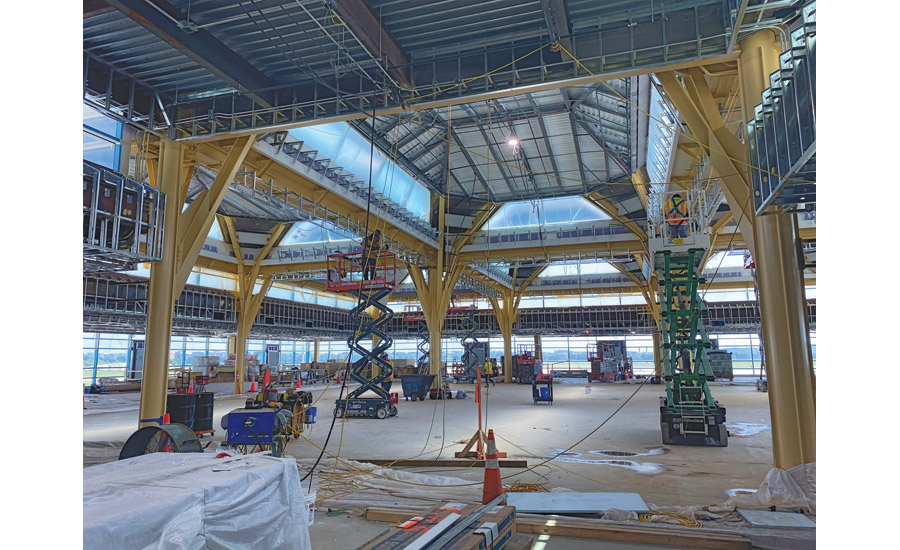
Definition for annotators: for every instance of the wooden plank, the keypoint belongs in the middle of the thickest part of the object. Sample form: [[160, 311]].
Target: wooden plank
[[442, 462], [519, 541], [639, 532]]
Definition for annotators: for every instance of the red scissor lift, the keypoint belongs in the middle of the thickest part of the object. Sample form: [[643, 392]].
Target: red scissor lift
[[371, 278], [603, 362]]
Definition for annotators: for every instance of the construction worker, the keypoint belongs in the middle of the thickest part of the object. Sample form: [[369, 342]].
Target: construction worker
[[676, 214], [386, 383], [488, 372], [337, 272], [371, 246]]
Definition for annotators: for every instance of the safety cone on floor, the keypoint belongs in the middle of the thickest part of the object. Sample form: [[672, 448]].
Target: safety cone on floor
[[191, 387], [298, 384], [253, 386], [166, 418], [493, 488]]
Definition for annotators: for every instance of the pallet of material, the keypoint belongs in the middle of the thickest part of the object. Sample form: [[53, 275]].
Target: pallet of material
[[668, 535], [492, 531]]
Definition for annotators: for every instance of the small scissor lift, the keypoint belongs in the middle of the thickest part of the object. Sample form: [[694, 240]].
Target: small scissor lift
[[370, 278], [688, 413], [471, 356]]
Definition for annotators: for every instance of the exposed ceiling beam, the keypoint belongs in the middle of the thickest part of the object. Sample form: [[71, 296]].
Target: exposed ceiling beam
[[377, 39], [498, 158], [168, 23], [93, 8], [391, 150], [472, 164], [547, 143], [416, 106], [602, 143], [557, 18]]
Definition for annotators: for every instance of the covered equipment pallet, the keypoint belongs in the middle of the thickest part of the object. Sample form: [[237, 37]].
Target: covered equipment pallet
[[195, 501]]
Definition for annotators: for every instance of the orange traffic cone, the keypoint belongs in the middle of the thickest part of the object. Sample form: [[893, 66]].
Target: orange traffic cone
[[298, 384], [253, 386], [166, 418], [493, 488], [191, 387]]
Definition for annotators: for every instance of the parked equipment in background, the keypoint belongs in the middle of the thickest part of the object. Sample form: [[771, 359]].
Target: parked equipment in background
[[542, 392], [602, 357], [474, 352], [415, 386], [762, 384], [721, 364], [609, 361], [136, 361], [526, 367]]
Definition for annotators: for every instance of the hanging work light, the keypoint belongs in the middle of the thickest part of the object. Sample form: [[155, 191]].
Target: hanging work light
[[512, 140]]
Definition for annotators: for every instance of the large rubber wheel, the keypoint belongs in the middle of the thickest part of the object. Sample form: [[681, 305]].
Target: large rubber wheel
[[392, 411], [415, 397], [338, 412], [381, 413]]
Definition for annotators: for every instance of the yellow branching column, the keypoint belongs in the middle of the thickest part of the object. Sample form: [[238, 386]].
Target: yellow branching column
[[248, 302], [538, 351], [782, 300], [248, 308], [161, 296], [657, 353], [507, 313], [434, 295], [185, 233]]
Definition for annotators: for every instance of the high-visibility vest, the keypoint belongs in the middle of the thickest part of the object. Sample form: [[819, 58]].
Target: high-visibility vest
[[676, 211], [391, 377], [488, 367]]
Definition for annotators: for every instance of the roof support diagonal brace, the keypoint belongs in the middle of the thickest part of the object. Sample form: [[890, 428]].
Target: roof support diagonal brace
[[201, 46]]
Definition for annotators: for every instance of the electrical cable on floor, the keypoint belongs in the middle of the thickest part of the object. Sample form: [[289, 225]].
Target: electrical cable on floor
[[527, 469], [658, 517]]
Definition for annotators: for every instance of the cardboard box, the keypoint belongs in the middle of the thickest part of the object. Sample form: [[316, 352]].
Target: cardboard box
[[420, 527], [490, 532]]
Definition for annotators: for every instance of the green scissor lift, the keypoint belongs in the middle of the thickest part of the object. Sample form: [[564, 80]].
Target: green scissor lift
[[688, 413]]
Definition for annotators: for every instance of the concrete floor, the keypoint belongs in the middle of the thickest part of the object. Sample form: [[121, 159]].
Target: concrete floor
[[680, 475]]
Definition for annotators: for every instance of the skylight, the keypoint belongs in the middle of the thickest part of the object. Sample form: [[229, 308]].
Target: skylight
[[346, 148], [727, 259], [308, 232], [545, 212], [598, 267]]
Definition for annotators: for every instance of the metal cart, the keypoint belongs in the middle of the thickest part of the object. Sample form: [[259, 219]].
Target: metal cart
[[542, 391]]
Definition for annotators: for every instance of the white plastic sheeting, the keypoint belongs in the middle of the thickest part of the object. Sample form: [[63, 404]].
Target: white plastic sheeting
[[195, 501]]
